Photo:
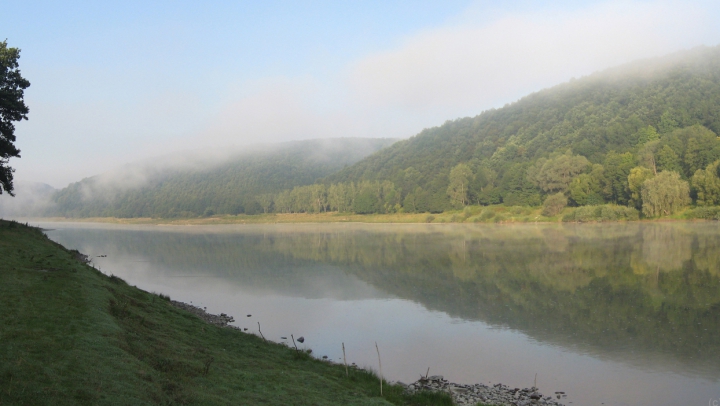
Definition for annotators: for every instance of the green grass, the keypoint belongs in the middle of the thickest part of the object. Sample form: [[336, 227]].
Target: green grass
[[71, 335]]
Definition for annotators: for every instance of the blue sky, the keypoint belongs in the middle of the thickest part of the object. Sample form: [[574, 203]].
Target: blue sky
[[114, 83]]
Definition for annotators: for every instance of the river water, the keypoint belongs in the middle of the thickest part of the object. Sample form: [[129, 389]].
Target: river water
[[614, 314]]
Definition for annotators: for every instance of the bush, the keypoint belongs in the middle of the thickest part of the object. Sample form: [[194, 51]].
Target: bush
[[607, 212], [430, 218], [554, 204], [707, 213], [487, 214]]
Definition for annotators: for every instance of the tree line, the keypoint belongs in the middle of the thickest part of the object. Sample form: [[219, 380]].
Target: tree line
[[643, 136]]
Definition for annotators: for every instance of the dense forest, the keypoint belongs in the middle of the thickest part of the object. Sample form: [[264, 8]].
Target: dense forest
[[643, 135], [242, 183]]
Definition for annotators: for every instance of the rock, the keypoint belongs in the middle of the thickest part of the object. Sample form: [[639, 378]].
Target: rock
[[301, 339]]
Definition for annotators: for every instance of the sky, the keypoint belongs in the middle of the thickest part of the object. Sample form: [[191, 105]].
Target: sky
[[118, 82]]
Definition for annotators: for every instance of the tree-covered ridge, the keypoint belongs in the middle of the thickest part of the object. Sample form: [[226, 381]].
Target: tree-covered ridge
[[643, 135], [235, 186], [660, 114]]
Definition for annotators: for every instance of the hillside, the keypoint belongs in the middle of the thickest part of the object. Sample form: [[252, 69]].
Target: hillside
[[234, 185], [660, 114], [642, 135]]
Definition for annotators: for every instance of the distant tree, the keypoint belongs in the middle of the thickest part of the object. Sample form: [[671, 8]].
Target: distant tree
[[616, 170], [266, 201], [638, 175], [646, 155], [667, 123], [702, 147], [554, 204], [706, 184], [460, 177], [668, 160], [664, 194], [647, 134], [585, 190], [12, 108], [554, 175]]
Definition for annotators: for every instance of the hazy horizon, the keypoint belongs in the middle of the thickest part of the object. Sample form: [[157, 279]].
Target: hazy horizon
[[115, 84]]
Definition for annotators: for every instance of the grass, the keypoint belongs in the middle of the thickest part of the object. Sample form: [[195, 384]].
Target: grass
[[71, 335]]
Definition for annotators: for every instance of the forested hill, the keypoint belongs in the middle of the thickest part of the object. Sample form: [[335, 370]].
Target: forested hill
[[240, 184], [641, 114]]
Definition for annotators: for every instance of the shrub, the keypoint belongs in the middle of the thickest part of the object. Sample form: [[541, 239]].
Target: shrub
[[487, 214], [554, 204], [430, 218], [607, 212], [707, 213]]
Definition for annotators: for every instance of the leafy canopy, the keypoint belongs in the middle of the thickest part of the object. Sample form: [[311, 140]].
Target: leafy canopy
[[12, 108]]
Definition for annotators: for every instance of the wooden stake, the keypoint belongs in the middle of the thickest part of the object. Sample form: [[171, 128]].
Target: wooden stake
[[296, 349], [379, 363], [261, 334], [535, 383], [347, 375], [426, 373]]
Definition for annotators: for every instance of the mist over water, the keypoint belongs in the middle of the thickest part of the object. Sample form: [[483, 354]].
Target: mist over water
[[623, 314]]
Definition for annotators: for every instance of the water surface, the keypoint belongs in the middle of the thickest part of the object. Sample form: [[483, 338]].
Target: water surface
[[620, 314]]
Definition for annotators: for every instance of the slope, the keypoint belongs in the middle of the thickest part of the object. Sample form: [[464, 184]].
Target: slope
[[234, 185], [600, 117]]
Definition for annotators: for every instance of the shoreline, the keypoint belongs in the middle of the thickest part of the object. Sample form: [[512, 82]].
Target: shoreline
[[462, 394], [331, 218]]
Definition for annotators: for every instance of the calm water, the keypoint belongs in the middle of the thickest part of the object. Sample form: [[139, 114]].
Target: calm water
[[620, 314]]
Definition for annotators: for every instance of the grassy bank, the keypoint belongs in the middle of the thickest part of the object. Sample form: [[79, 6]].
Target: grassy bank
[[472, 214], [71, 335]]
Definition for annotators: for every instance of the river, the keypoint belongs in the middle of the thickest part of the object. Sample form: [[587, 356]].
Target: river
[[614, 314]]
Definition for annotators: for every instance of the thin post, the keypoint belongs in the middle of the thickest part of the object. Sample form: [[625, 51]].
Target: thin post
[[296, 349], [380, 364], [347, 375], [260, 331]]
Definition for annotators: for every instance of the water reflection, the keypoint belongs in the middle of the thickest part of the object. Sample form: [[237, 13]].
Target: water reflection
[[646, 295]]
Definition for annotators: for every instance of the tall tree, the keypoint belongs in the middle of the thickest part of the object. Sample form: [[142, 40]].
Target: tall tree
[[554, 175], [638, 175], [457, 190], [12, 108], [664, 194], [706, 184]]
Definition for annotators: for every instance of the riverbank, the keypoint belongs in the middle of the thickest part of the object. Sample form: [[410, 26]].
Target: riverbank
[[497, 214], [72, 335]]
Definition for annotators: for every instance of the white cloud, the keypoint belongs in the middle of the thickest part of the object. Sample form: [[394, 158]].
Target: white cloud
[[461, 69], [465, 68]]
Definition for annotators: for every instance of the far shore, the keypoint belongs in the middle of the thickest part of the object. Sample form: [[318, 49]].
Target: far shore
[[504, 215]]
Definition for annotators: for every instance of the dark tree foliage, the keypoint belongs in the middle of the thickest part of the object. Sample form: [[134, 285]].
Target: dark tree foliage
[[606, 117], [12, 108]]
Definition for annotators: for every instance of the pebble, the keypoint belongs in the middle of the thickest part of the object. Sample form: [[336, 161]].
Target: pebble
[[221, 320], [497, 395]]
